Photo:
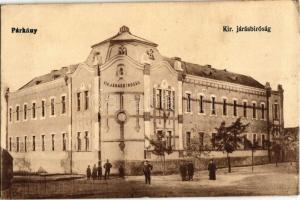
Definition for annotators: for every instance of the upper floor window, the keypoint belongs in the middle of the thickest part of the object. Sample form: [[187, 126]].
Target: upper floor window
[[18, 112], [33, 110], [52, 106], [63, 104], [86, 100], [159, 98], [78, 101], [169, 99], [245, 109], [234, 107], [254, 110], [201, 104], [188, 102], [43, 108], [276, 111], [263, 111], [224, 106], [213, 105], [25, 111], [10, 114]]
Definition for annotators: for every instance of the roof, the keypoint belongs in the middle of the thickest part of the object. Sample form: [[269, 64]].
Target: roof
[[207, 71], [125, 35], [54, 74]]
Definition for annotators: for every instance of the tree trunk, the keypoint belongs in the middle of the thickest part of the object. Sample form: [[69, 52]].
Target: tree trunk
[[229, 164]]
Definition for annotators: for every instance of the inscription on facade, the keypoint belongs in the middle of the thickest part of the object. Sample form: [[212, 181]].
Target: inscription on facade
[[122, 85]]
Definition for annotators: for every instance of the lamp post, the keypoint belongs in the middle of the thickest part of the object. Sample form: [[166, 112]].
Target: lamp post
[[6, 124]]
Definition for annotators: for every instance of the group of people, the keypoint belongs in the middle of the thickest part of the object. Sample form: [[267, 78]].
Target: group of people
[[96, 173], [186, 170]]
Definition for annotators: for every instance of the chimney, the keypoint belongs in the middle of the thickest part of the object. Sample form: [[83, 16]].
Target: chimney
[[177, 64]]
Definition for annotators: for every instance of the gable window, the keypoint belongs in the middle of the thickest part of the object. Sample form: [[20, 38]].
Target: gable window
[[86, 100], [52, 141], [64, 142], [263, 111], [52, 106], [254, 110], [33, 143], [188, 102], [78, 101], [18, 112], [43, 108], [224, 106], [63, 104], [43, 142], [33, 110], [235, 108], [201, 110], [10, 114], [213, 105], [25, 111]]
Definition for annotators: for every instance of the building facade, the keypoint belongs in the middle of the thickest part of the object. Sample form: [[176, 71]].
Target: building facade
[[124, 93]]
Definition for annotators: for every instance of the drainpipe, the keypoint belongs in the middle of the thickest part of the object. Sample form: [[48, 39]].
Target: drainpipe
[[6, 125], [268, 95]]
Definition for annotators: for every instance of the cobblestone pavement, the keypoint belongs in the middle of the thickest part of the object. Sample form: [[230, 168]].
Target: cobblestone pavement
[[265, 180]]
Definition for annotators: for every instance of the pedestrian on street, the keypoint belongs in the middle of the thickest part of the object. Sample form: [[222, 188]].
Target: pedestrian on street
[[94, 173], [147, 171], [107, 167], [212, 168], [121, 171], [99, 171], [190, 169], [88, 172], [182, 171]]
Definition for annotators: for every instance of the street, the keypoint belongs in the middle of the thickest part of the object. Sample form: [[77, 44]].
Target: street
[[265, 180]]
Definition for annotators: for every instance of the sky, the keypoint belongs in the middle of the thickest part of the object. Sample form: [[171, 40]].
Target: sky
[[192, 31]]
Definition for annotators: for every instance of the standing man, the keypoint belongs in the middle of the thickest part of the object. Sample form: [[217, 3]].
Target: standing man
[[190, 169], [147, 171], [99, 171], [107, 167], [212, 168], [94, 172], [88, 172]]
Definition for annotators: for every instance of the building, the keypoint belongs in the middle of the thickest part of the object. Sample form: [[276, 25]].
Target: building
[[124, 92]]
